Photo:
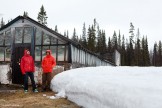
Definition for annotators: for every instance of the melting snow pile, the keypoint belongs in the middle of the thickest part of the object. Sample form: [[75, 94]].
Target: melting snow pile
[[111, 87]]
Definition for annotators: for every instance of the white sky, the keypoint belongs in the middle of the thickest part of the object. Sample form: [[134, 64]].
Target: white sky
[[110, 14], [111, 87]]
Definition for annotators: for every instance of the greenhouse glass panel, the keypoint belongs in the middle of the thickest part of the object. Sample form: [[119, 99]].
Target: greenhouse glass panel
[[1, 39], [8, 38], [38, 38], [46, 39], [66, 53], [53, 40], [1, 53], [8, 54], [61, 50], [53, 50], [44, 51], [27, 34], [60, 42], [38, 53], [18, 35]]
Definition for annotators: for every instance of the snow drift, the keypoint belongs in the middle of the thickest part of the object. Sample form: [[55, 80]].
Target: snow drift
[[112, 87]]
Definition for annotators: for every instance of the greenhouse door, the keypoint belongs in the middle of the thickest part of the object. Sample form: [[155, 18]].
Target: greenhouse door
[[17, 77]]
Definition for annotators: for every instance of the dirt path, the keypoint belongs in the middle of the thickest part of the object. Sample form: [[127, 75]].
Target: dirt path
[[19, 99]]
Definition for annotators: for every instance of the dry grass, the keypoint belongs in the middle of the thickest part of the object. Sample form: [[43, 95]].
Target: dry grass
[[19, 99]]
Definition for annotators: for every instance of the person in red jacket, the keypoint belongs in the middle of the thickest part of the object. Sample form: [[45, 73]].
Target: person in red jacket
[[27, 68], [47, 65]]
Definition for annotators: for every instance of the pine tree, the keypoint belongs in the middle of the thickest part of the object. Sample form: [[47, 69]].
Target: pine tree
[[98, 45], [147, 53], [109, 49], [74, 37], [159, 54], [103, 41], [131, 54], [91, 39], [131, 31], [119, 41], [42, 17], [123, 52], [25, 14], [83, 38], [56, 30], [138, 61], [67, 34], [2, 23], [114, 41], [154, 60]]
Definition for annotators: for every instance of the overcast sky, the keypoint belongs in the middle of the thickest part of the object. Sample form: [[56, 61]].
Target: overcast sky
[[110, 14]]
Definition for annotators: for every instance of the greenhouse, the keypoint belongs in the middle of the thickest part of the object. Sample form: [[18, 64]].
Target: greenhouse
[[25, 33]]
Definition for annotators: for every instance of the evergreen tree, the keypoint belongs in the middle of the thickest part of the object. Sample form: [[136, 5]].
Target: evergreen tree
[[103, 41], [25, 14], [119, 41], [56, 30], [99, 41], [67, 34], [138, 60], [131, 31], [74, 37], [131, 54], [123, 52], [91, 39], [2, 23], [83, 38], [159, 62], [42, 17], [154, 60], [114, 41], [109, 49], [147, 53]]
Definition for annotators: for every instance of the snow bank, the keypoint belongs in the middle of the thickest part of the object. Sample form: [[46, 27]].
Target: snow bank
[[112, 87]]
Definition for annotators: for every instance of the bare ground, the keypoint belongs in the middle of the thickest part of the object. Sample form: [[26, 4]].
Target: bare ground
[[16, 98]]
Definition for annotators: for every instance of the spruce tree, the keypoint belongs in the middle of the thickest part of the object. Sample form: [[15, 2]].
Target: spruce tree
[[138, 50], [131, 31], [123, 52], [147, 53], [103, 41], [56, 29], [114, 41], [155, 57], [91, 39], [119, 41], [2, 23], [25, 14], [99, 41], [159, 54], [83, 38], [42, 17], [67, 34], [74, 37]]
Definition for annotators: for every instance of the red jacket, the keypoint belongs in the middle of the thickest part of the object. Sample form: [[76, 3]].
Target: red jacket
[[27, 63], [48, 62]]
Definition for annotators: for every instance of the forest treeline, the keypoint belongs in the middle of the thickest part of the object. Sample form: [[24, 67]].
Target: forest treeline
[[134, 50]]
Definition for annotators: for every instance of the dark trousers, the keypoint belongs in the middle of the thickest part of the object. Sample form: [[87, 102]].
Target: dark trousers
[[46, 80], [31, 75]]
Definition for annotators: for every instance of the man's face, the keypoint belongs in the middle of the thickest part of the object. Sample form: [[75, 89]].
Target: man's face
[[47, 53], [28, 52]]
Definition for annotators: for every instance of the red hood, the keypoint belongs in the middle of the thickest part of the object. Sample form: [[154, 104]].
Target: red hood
[[25, 53], [49, 52]]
